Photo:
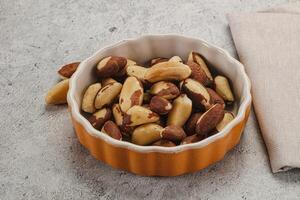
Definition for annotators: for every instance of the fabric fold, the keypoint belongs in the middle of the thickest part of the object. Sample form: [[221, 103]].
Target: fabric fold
[[268, 44]]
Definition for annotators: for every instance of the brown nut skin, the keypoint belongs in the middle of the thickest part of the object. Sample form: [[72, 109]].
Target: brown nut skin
[[88, 100], [111, 129], [126, 130], [146, 134], [173, 133], [199, 74], [200, 60], [110, 66], [138, 115], [191, 123], [169, 70], [192, 139], [215, 98], [107, 94], [160, 105], [99, 118], [58, 93], [197, 92], [228, 117], [181, 111], [131, 94], [68, 70], [119, 119], [210, 119], [223, 88], [164, 143], [122, 71], [165, 90]]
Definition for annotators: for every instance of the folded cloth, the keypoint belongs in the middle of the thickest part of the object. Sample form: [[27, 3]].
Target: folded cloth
[[268, 44]]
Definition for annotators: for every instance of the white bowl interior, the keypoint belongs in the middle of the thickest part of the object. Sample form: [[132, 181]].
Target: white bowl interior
[[147, 47]]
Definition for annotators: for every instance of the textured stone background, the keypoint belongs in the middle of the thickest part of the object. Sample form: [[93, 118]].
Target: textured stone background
[[40, 157]]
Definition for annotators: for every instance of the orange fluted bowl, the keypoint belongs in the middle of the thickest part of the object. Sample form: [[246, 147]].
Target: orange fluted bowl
[[155, 160]]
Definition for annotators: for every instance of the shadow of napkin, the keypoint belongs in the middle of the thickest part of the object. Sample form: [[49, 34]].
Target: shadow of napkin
[[268, 44]]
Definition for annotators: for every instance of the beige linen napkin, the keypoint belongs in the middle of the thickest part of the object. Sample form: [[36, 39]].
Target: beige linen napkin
[[268, 44]]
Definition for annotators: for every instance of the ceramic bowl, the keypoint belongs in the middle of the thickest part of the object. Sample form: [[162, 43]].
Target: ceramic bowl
[[155, 160]]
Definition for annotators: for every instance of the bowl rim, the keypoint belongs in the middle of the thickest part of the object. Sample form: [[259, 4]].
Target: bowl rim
[[75, 112]]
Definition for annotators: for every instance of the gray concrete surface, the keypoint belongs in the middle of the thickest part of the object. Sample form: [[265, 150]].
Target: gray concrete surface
[[40, 157]]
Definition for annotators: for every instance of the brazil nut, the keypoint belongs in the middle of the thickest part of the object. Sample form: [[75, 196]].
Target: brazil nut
[[110, 66], [107, 95], [169, 70], [138, 115], [99, 118], [173, 133], [88, 100], [210, 119], [197, 92], [160, 105], [111, 129], [165, 90], [146, 134], [200, 60], [131, 94], [181, 111]]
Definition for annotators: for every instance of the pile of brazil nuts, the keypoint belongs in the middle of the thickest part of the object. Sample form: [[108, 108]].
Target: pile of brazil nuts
[[165, 102]]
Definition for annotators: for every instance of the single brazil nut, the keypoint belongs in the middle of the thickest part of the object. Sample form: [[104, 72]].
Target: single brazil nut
[[138, 115], [164, 143], [110, 66], [106, 81], [173, 133], [88, 100], [118, 114], [176, 59], [99, 118], [181, 111], [111, 129], [192, 139], [107, 94], [154, 61], [169, 70], [136, 71], [58, 93], [215, 98], [146, 134], [223, 88], [199, 74], [68, 70], [160, 105], [131, 94], [197, 92], [200, 60], [191, 123], [165, 90], [228, 117], [210, 119]]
